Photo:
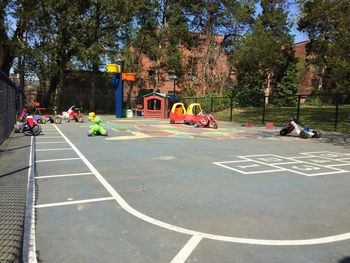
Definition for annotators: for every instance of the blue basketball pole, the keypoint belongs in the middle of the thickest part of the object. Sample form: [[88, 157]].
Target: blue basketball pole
[[118, 83]]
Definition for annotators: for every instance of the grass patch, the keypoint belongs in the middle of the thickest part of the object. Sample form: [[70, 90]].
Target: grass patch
[[320, 117]]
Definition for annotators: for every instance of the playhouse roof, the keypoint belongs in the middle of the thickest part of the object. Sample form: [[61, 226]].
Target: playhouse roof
[[157, 93]]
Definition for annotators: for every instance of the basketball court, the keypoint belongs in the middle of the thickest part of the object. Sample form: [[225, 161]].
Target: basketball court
[[154, 192]]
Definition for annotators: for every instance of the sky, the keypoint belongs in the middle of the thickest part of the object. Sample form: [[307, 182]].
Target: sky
[[299, 36]]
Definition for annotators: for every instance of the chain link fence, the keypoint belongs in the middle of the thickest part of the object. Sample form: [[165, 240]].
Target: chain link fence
[[320, 111], [11, 104]]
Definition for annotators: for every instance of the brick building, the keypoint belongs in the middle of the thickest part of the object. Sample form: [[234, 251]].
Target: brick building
[[169, 84], [308, 78]]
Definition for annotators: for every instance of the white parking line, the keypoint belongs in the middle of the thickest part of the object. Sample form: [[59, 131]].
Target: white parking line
[[49, 142], [75, 202], [61, 175], [186, 251], [54, 149], [29, 250], [56, 160], [50, 137]]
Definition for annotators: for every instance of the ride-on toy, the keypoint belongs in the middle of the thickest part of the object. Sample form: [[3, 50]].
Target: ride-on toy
[[70, 114], [47, 117], [302, 133], [92, 116], [27, 125], [178, 113], [96, 129], [39, 119], [207, 121], [194, 114]]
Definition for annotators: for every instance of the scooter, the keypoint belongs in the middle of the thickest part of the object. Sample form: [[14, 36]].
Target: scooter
[[207, 121], [302, 133]]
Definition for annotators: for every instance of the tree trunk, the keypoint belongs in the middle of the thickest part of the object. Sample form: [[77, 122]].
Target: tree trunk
[[268, 87], [93, 88], [61, 77], [320, 82]]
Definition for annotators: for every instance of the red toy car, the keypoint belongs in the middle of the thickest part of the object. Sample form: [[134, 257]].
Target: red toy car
[[194, 114], [178, 113]]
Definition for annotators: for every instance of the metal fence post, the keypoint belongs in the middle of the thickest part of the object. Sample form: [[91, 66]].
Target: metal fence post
[[264, 109], [298, 110], [211, 104], [336, 115], [231, 106]]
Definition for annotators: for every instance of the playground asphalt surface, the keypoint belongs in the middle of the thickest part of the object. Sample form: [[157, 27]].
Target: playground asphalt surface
[[154, 192]]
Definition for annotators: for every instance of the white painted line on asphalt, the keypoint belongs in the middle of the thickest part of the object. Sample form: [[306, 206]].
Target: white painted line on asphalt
[[49, 142], [49, 137], [237, 161], [54, 149], [340, 164], [56, 160], [128, 208], [243, 172], [313, 153], [186, 251], [337, 172], [29, 250], [308, 168], [61, 175], [75, 202]]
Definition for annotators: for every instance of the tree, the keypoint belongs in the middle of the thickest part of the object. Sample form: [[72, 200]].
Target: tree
[[7, 49], [287, 87], [268, 48], [16, 47], [161, 28], [327, 24], [55, 27], [228, 18], [103, 27]]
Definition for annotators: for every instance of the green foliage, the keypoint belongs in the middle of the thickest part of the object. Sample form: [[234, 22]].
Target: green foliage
[[287, 88], [313, 100], [266, 51], [327, 24]]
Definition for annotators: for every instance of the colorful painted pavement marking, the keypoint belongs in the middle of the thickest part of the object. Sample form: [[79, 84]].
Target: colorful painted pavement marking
[[144, 129]]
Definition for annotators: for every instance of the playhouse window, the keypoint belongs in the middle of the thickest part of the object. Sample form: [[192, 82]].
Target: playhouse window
[[154, 104]]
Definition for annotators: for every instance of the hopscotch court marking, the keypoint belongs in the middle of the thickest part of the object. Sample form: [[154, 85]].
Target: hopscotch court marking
[[268, 163]]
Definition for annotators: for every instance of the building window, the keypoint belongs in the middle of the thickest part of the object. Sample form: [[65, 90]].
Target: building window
[[314, 82], [192, 77], [192, 61], [151, 74], [172, 76]]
